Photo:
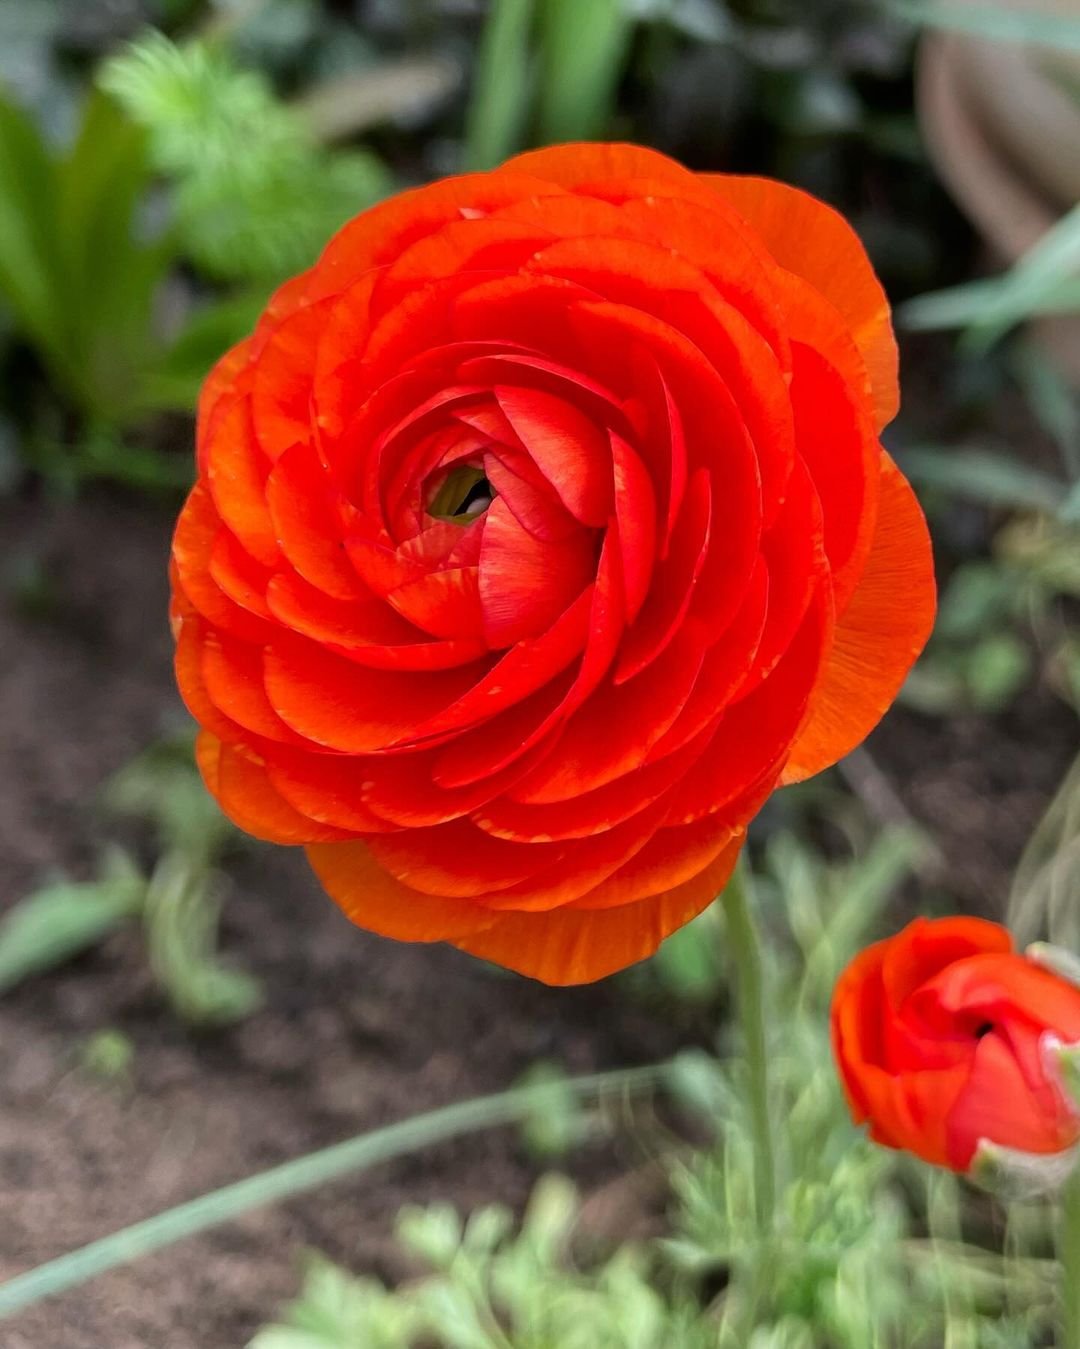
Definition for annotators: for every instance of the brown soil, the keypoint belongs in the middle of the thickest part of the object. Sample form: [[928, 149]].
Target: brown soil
[[356, 1031]]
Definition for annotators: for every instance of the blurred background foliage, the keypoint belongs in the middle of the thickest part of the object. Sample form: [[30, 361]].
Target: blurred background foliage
[[165, 164]]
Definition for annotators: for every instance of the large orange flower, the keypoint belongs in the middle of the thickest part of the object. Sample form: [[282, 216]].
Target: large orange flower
[[541, 530]]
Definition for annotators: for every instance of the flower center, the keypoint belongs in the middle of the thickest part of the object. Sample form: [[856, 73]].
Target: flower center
[[462, 495], [983, 1028]]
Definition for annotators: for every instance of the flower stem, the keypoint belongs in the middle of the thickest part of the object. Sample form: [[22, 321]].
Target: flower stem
[[1069, 1253], [749, 983]]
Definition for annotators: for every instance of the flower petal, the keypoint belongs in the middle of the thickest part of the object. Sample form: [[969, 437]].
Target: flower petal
[[877, 637]]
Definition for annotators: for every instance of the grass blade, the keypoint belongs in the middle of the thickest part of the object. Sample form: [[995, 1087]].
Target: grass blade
[[303, 1174]]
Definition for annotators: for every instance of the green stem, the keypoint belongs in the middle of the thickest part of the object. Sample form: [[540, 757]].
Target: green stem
[[298, 1176], [746, 958], [1069, 1253]]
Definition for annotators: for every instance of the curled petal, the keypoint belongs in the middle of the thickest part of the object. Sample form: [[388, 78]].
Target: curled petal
[[815, 242], [878, 636]]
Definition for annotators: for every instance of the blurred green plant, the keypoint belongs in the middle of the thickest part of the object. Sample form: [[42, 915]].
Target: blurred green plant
[[1004, 22], [256, 195], [107, 1055], [491, 1289], [177, 904], [851, 1260], [84, 277], [75, 272], [1002, 619], [1044, 281]]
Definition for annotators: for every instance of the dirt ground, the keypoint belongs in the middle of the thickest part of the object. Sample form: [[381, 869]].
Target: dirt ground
[[356, 1031]]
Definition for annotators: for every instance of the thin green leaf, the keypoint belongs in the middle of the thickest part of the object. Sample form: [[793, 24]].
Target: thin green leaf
[[583, 52], [297, 1177], [993, 21], [495, 119], [60, 922], [982, 475], [961, 306], [1043, 281]]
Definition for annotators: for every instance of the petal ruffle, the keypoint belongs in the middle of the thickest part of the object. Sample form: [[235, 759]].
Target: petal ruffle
[[878, 636], [809, 238]]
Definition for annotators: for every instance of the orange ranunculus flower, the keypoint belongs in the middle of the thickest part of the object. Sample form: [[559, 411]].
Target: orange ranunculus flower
[[943, 1035], [541, 529]]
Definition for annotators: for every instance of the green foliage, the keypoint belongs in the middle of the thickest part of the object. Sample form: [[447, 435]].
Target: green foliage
[[690, 963], [490, 1289], [61, 921], [256, 196], [981, 654], [1027, 288], [1008, 23], [583, 50], [337, 1311], [74, 270], [498, 109], [107, 1055], [558, 1122], [82, 277], [850, 1262], [178, 904], [181, 916], [1042, 902], [566, 93]]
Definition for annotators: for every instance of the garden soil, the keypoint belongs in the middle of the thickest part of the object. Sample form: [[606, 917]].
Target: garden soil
[[356, 1032]]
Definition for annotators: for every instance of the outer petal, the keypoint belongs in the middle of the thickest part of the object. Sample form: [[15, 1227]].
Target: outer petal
[[878, 636], [585, 162], [372, 898], [576, 946], [815, 242]]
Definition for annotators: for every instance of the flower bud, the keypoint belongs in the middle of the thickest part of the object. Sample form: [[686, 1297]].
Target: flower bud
[[955, 1047]]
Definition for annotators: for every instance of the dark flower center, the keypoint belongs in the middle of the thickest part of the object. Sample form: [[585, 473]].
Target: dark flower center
[[462, 495], [983, 1028]]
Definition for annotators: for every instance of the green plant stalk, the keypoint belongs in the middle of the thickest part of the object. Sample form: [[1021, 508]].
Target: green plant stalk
[[498, 105], [1069, 1254], [299, 1176], [749, 983]]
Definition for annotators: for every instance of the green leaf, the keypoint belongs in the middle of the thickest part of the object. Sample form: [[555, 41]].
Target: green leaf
[[1045, 276], [32, 274], [62, 921], [960, 306], [983, 475], [497, 111], [181, 914], [256, 196], [1009, 24], [113, 275], [337, 1311], [583, 50]]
